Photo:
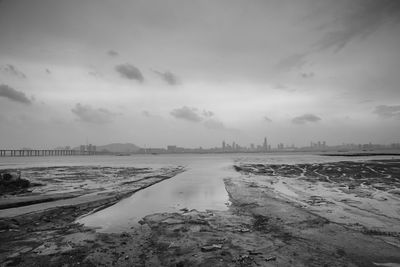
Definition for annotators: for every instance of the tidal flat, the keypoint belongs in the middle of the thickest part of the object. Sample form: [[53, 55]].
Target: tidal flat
[[342, 213]]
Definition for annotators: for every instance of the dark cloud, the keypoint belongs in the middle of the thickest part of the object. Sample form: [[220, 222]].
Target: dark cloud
[[112, 53], [194, 115], [214, 124], [358, 19], [14, 95], [283, 87], [365, 101], [94, 73], [187, 113], [295, 61], [207, 113], [86, 113], [168, 77], [384, 111], [267, 119], [305, 119], [48, 71], [130, 72], [307, 75], [146, 113], [12, 70]]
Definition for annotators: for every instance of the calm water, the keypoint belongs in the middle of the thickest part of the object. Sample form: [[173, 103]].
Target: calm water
[[201, 187]]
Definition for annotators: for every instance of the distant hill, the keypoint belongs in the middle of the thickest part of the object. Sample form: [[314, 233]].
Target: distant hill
[[119, 148]]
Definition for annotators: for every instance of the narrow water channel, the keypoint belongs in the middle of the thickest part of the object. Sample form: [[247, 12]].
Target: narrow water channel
[[200, 187]]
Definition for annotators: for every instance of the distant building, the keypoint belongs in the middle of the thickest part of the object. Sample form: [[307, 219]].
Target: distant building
[[171, 149], [265, 144], [152, 150]]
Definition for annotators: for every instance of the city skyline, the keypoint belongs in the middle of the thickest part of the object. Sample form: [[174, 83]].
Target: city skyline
[[264, 146], [194, 73]]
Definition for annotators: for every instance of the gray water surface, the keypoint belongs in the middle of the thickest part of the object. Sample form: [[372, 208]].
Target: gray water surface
[[200, 187]]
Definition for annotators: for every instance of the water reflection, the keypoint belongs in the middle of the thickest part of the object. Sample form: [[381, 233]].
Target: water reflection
[[201, 187]]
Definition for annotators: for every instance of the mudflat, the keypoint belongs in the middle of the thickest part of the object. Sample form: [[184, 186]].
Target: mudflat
[[326, 214]]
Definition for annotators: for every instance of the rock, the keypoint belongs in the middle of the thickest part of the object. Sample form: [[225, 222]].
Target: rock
[[244, 259], [272, 258], [251, 252], [211, 248], [243, 230], [341, 252], [13, 226], [237, 168], [10, 176], [172, 221], [124, 234], [173, 245], [11, 181]]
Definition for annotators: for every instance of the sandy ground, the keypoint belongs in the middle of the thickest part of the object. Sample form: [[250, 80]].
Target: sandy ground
[[328, 214]]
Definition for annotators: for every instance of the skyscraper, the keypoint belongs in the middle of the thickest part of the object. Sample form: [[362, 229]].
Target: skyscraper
[[265, 145]]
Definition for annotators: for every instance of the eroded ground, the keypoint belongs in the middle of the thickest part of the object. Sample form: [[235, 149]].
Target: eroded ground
[[80, 183], [336, 214], [364, 194]]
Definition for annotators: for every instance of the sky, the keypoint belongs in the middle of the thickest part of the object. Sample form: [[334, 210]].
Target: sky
[[195, 73]]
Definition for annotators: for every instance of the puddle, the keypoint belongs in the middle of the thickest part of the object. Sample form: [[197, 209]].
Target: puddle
[[200, 187]]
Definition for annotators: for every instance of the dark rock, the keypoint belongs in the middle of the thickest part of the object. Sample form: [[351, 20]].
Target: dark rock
[[13, 185], [340, 252], [272, 258]]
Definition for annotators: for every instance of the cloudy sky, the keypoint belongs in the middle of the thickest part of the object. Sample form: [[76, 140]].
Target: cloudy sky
[[194, 73]]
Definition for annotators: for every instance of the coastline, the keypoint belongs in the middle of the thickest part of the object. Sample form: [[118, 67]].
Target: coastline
[[275, 219]]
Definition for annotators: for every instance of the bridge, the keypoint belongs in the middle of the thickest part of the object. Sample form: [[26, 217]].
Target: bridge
[[42, 152]]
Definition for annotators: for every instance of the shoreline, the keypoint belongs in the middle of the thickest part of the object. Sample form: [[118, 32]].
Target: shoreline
[[271, 221], [75, 193]]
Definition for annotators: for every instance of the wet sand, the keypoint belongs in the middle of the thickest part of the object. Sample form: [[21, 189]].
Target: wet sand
[[326, 214]]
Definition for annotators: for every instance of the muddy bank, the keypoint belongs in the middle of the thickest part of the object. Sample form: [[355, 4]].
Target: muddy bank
[[80, 184], [362, 194], [274, 220], [35, 233], [361, 154]]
